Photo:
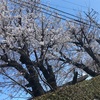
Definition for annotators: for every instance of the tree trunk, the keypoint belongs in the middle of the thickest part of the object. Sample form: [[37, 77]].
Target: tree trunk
[[74, 81], [37, 89], [50, 77]]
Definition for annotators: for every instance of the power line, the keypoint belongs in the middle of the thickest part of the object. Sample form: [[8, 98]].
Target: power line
[[68, 7], [52, 8], [42, 10], [60, 10], [74, 4], [73, 9], [26, 4]]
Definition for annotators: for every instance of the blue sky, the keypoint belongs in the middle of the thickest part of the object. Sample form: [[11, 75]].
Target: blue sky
[[74, 6]]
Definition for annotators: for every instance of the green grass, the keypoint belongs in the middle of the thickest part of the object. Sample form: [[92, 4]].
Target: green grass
[[86, 90]]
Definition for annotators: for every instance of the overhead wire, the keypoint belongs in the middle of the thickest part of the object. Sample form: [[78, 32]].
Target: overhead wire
[[80, 6], [75, 4], [72, 9], [42, 11], [60, 11], [67, 8], [62, 7], [48, 12], [75, 9]]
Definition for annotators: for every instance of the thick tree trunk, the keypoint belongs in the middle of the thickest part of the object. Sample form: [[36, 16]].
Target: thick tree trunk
[[49, 77], [33, 79], [74, 81], [37, 89]]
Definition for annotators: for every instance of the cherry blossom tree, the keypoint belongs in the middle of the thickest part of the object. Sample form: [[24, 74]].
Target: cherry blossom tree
[[40, 52], [29, 45]]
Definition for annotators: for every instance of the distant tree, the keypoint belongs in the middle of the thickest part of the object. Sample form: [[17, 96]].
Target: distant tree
[[87, 48], [39, 52]]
